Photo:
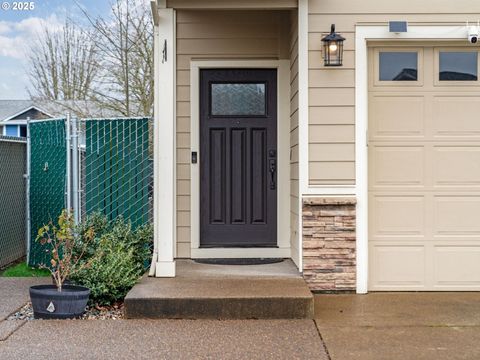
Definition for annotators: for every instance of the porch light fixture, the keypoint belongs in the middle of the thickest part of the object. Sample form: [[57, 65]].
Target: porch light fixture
[[333, 48]]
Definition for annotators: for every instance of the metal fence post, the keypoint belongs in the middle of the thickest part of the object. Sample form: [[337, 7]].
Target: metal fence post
[[68, 164], [27, 195], [75, 173]]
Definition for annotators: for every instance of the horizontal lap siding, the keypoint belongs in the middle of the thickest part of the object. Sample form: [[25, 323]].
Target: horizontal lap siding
[[294, 196], [332, 90], [209, 34]]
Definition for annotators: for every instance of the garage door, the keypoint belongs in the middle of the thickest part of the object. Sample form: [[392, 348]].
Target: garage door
[[424, 168]]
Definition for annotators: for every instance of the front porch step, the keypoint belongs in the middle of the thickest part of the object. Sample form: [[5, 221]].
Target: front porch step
[[202, 291]]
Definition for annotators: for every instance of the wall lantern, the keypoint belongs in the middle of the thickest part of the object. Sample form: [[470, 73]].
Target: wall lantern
[[333, 48]]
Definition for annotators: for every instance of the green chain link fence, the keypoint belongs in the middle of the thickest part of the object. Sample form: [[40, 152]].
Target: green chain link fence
[[47, 180], [12, 205], [115, 172], [118, 169]]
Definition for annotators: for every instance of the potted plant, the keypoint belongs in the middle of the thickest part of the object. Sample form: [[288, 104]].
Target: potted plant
[[59, 300]]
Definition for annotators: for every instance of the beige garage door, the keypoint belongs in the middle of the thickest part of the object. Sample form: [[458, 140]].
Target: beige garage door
[[424, 168]]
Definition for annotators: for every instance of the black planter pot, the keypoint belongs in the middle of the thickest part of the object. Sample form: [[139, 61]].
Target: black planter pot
[[48, 303]]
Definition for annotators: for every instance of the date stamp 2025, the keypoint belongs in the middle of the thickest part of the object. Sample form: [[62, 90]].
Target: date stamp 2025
[[18, 5]]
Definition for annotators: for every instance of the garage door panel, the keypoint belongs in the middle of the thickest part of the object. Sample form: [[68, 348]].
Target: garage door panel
[[456, 267], [397, 217], [456, 215], [393, 266], [396, 165], [456, 166], [454, 116], [397, 116]]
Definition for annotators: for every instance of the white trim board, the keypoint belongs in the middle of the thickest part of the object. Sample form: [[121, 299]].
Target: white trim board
[[163, 264], [303, 115], [283, 158], [363, 35]]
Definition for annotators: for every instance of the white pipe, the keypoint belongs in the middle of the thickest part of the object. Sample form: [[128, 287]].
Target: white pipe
[[27, 195], [69, 164], [75, 179]]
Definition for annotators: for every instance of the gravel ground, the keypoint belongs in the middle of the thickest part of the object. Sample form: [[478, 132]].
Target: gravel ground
[[113, 312]]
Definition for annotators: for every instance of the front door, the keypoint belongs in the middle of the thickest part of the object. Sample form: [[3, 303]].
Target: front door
[[238, 158]]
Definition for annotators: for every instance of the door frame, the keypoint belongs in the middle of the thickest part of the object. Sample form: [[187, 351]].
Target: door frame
[[364, 36], [283, 159]]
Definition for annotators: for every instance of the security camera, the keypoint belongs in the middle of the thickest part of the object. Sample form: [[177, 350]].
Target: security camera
[[473, 34]]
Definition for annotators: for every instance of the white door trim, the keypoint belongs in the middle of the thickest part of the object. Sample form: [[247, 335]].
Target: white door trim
[[364, 34], [283, 160]]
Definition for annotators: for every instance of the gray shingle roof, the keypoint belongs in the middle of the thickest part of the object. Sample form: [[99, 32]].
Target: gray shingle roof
[[57, 109], [11, 107]]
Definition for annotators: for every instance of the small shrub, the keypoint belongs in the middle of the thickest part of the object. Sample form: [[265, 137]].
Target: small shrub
[[65, 247], [111, 272], [116, 257]]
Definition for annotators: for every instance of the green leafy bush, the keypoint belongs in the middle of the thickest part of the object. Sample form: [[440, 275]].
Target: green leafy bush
[[110, 274], [115, 259]]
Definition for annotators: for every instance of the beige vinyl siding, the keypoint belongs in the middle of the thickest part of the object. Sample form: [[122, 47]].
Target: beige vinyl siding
[[231, 35], [294, 196], [332, 90]]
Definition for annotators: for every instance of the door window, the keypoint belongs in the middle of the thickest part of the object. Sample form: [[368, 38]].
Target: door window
[[238, 99]]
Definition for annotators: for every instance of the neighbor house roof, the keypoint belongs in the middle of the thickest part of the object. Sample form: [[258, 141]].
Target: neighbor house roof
[[13, 109]]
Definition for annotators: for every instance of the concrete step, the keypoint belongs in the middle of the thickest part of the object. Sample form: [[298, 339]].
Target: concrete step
[[217, 292]]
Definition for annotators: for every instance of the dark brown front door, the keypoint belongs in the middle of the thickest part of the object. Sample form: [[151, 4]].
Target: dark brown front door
[[238, 158]]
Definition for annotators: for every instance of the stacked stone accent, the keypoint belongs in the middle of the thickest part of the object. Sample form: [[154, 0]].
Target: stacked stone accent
[[329, 257]]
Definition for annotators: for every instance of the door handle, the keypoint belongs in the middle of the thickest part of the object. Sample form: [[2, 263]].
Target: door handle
[[272, 167]]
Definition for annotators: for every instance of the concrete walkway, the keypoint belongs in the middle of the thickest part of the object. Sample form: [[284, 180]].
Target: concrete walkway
[[149, 339], [13, 295], [386, 326], [402, 326], [164, 339]]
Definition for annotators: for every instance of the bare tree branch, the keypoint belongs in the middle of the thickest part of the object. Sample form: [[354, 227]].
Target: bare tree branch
[[62, 64], [124, 42]]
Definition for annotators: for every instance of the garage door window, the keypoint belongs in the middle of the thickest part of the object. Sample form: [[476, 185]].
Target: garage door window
[[458, 66], [398, 66]]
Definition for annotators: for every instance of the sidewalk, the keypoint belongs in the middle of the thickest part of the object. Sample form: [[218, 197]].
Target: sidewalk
[[148, 339], [14, 293], [164, 339], [383, 326]]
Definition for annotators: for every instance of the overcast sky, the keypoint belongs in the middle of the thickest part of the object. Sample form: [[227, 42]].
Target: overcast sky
[[17, 28]]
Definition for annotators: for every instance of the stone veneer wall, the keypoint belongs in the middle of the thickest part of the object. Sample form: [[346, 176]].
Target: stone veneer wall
[[329, 256]]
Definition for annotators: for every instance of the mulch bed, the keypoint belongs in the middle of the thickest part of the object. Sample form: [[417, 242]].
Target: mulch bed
[[96, 312]]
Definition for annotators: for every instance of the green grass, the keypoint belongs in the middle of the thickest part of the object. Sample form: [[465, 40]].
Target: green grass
[[23, 270]]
